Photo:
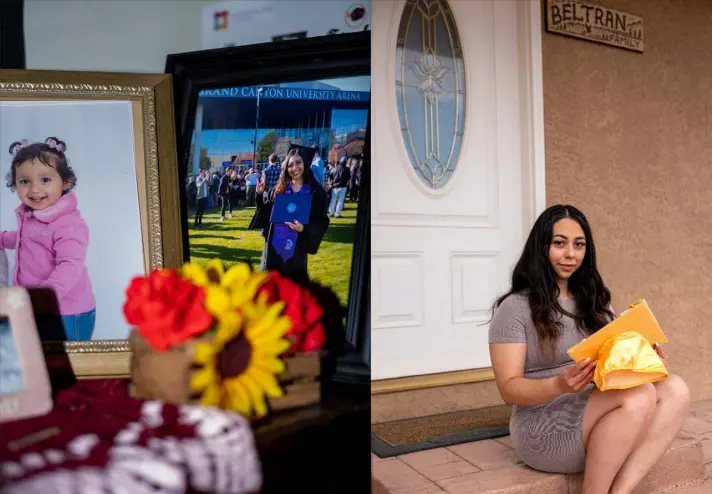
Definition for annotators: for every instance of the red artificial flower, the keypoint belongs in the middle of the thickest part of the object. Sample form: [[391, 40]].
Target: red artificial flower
[[166, 308], [307, 332]]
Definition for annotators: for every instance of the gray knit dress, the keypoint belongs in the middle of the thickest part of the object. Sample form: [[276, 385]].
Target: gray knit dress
[[546, 437]]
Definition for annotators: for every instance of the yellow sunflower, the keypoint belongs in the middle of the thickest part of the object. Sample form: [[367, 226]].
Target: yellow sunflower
[[239, 366], [225, 290]]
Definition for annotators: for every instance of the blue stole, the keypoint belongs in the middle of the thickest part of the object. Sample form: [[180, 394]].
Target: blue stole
[[284, 239]]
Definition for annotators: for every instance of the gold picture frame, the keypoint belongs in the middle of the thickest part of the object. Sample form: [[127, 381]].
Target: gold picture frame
[[151, 98]]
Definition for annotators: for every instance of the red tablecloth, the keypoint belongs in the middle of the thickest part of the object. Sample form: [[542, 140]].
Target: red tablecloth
[[103, 441]]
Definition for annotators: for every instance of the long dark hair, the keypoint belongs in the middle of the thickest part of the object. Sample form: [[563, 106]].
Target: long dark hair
[[284, 178], [534, 276]]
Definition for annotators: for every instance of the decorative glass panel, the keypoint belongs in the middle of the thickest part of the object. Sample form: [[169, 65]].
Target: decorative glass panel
[[430, 85]]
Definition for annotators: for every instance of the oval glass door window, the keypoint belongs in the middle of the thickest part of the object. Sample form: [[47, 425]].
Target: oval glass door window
[[430, 86]]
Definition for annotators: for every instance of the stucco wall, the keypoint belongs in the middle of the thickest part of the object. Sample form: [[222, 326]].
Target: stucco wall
[[629, 142]]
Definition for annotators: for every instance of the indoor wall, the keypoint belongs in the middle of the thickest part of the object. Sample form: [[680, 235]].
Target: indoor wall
[[110, 35]]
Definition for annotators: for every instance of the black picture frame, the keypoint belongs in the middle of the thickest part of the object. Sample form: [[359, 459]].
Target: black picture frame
[[324, 57], [12, 34]]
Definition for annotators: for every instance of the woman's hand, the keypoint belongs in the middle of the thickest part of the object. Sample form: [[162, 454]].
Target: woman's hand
[[661, 353], [576, 377], [296, 226]]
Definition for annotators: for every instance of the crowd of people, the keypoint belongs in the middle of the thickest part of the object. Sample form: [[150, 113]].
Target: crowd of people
[[302, 171], [227, 189], [232, 187]]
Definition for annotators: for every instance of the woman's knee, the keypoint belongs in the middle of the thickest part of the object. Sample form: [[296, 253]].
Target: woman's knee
[[639, 399], [637, 402], [673, 390], [633, 407]]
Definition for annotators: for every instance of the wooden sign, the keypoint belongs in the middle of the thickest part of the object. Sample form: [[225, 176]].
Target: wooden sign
[[594, 23]]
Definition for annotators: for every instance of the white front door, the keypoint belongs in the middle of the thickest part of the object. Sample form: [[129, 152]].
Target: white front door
[[457, 167]]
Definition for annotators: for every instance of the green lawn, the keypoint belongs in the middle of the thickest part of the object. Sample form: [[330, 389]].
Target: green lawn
[[231, 242]]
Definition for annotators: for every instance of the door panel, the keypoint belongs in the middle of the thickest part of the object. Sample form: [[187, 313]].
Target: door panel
[[441, 256]]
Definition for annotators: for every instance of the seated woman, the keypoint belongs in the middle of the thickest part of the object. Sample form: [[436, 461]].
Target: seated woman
[[288, 245], [560, 422]]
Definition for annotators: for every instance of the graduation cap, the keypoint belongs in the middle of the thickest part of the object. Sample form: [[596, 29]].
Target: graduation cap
[[305, 152]]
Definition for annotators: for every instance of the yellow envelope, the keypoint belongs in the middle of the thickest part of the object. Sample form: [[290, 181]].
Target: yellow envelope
[[627, 360], [638, 318]]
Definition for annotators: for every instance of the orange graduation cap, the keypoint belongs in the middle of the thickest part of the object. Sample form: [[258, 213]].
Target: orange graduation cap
[[638, 318], [624, 350]]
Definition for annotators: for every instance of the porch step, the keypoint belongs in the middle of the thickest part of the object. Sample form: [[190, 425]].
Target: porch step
[[490, 467], [682, 465], [697, 488]]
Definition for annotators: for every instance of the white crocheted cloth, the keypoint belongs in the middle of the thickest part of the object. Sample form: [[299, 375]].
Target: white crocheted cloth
[[222, 458]]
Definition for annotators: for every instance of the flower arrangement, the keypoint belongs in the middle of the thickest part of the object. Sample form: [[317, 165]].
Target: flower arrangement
[[243, 326]]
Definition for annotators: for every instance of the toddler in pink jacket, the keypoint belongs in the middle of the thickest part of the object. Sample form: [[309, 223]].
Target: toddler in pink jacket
[[51, 239]]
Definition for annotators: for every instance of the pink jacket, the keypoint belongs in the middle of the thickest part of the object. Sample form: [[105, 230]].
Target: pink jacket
[[51, 253]]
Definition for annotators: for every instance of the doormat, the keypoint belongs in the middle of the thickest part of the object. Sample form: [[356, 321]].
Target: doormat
[[401, 437]]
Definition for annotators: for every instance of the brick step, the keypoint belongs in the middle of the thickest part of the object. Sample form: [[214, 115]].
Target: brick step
[[488, 469], [682, 465], [704, 487]]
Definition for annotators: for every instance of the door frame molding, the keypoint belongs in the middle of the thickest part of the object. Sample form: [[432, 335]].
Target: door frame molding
[[534, 165], [529, 19]]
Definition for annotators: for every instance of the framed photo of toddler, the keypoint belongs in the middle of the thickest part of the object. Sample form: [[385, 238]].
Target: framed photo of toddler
[[88, 201]]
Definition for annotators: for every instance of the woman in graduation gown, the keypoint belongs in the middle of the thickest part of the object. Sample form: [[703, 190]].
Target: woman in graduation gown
[[289, 244]]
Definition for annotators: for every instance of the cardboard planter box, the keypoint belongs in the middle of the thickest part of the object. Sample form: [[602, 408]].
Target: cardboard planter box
[[166, 375]]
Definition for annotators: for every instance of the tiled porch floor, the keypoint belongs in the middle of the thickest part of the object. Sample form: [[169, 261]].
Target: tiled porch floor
[[492, 465]]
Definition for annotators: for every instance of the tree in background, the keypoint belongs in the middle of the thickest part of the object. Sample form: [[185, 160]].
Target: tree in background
[[205, 162], [332, 138], [265, 146]]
